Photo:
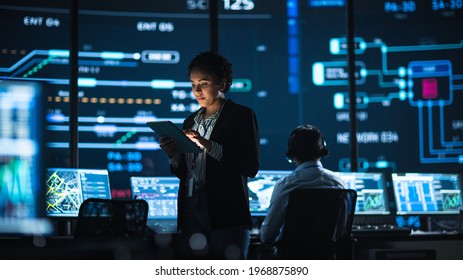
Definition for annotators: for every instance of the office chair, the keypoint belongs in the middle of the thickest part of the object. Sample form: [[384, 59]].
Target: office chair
[[318, 224], [110, 218]]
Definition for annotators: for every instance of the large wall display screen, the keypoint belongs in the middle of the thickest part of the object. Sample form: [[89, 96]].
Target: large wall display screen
[[289, 60]]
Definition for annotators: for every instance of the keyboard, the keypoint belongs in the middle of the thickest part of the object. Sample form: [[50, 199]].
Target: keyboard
[[254, 233], [364, 230], [162, 226], [385, 230]]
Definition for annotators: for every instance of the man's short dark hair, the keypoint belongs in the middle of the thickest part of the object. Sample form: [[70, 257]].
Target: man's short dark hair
[[306, 143]]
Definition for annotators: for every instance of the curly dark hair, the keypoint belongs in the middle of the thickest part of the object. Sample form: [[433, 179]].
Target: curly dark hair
[[215, 65]]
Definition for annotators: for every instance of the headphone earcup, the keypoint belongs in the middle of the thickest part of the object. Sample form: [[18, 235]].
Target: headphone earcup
[[324, 152]]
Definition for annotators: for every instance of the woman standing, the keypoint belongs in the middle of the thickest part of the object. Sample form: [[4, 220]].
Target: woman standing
[[213, 204]]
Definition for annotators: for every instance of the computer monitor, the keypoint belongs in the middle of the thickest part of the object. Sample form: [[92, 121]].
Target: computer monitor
[[260, 189], [371, 192], [161, 194], [21, 159], [427, 193], [67, 188]]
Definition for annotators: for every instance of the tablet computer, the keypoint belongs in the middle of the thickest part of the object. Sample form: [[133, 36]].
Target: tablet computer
[[169, 129]]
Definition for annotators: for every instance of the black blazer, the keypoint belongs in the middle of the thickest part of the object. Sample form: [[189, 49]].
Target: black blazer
[[226, 180]]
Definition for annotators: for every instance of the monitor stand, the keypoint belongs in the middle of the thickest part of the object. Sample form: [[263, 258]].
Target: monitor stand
[[64, 228]]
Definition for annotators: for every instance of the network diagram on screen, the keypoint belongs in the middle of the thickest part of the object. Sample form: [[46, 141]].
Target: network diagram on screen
[[409, 81], [427, 85]]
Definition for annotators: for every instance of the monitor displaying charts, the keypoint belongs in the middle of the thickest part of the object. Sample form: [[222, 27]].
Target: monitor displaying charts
[[161, 194], [371, 192], [260, 190], [21, 159], [67, 188], [427, 193]]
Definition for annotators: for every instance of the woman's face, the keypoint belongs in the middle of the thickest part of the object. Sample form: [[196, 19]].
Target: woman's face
[[205, 89]]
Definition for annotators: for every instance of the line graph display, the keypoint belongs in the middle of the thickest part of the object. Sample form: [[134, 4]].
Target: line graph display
[[374, 201], [371, 192], [450, 200]]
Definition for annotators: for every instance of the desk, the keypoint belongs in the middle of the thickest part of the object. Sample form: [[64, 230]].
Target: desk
[[154, 247], [422, 246], [439, 246], [67, 248]]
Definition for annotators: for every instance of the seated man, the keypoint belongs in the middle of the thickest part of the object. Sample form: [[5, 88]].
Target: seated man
[[306, 147]]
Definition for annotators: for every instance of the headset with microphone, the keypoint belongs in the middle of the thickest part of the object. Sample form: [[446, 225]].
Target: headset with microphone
[[305, 143]]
